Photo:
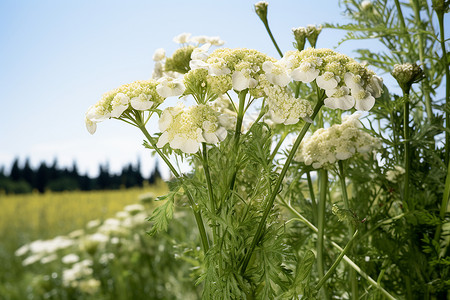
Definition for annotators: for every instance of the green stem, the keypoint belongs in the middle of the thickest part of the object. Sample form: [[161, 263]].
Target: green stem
[[312, 196], [210, 190], [277, 147], [440, 15], [276, 189], [346, 259], [323, 189], [403, 27], [266, 24], [444, 205], [352, 273], [337, 261], [407, 155], [425, 83], [237, 133], [194, 206]]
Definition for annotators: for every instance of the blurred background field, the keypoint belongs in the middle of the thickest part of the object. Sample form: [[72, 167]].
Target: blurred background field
[[91, 245]]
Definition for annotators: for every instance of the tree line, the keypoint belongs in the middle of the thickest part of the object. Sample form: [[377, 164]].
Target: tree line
[[51, 177]]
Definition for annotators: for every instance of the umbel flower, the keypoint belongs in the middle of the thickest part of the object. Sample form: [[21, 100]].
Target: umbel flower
[[338, 142], [186, 129], [140, 95], [407, 74], [346, 82]]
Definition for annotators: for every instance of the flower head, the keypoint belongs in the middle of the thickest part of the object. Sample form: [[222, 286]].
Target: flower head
[[261, 10], [139, 95], [168, 87], [407, 74], [346, 82], [338, 142], [186, 129]]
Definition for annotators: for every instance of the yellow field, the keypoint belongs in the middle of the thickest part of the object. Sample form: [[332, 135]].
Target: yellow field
[[24, 218]]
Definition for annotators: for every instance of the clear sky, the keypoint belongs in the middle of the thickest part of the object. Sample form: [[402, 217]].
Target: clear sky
[[58, 57]]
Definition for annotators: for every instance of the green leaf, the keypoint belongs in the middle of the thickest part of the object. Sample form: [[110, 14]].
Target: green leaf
[[162, 215], [304, 268]]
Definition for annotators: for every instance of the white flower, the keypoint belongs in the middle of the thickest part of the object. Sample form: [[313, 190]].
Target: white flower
[[215, 41], [141, 102], [119, 104], [70, 258], [242, 80], [353, 81], [339, 98], [90, 125], [98, 112], [327, 81], [375, 86], [306, 72], [200, 39], [168, 87], [159, 54], [363, 100], [201, 53], [93, 223], [158, 70], [187, 129], [276, 73], [392, 175], [182, 38]]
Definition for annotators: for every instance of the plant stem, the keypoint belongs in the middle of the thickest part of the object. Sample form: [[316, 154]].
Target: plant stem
[[266, 24], [440, 15], [277, 147], [237, 133], [347, 259], [210, 190], [312, 196], [337, 261], [444, 205], [425, 83], [352, 273], [276, 189], [323, 189], [194, 206], [406, 201]]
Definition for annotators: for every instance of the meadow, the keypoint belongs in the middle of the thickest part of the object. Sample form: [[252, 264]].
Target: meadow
[[52, 219]]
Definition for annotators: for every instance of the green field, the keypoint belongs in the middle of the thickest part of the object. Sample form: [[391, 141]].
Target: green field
[[27, 218]]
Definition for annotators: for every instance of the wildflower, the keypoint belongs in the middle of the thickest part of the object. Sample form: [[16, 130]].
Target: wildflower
[[300, 34], [70, 259], [243, 80], [283, 108], [140, 95], [338, 142], [185, 129], [407, 74], [159, 54], [89, 286], [313, 33], [392, 175], [276, 73], [261, 10], [133, 209], [182, 38], [168, 87], [346, 83]]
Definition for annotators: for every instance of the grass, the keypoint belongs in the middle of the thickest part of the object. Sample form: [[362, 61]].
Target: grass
[[25, 218]]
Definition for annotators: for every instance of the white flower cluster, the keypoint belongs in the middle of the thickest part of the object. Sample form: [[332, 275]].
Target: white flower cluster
[[346, 82], [186, 129], [140, 95], [338, 142], [392, 175], [242, 69], [283, 107], [181, 56], [68, 251], [185, 38]]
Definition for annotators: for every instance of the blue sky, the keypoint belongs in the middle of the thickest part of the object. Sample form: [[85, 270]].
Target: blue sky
[[58, 57]]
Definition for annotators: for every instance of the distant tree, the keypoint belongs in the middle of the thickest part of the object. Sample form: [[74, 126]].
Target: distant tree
[[28, 173], [42, 177], [103, 181], [16, 171], [155, 175]]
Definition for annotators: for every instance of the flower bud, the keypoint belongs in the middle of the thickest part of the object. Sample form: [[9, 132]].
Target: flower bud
[[300, 37], [407, 74], [313, 33], [261, 10]]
